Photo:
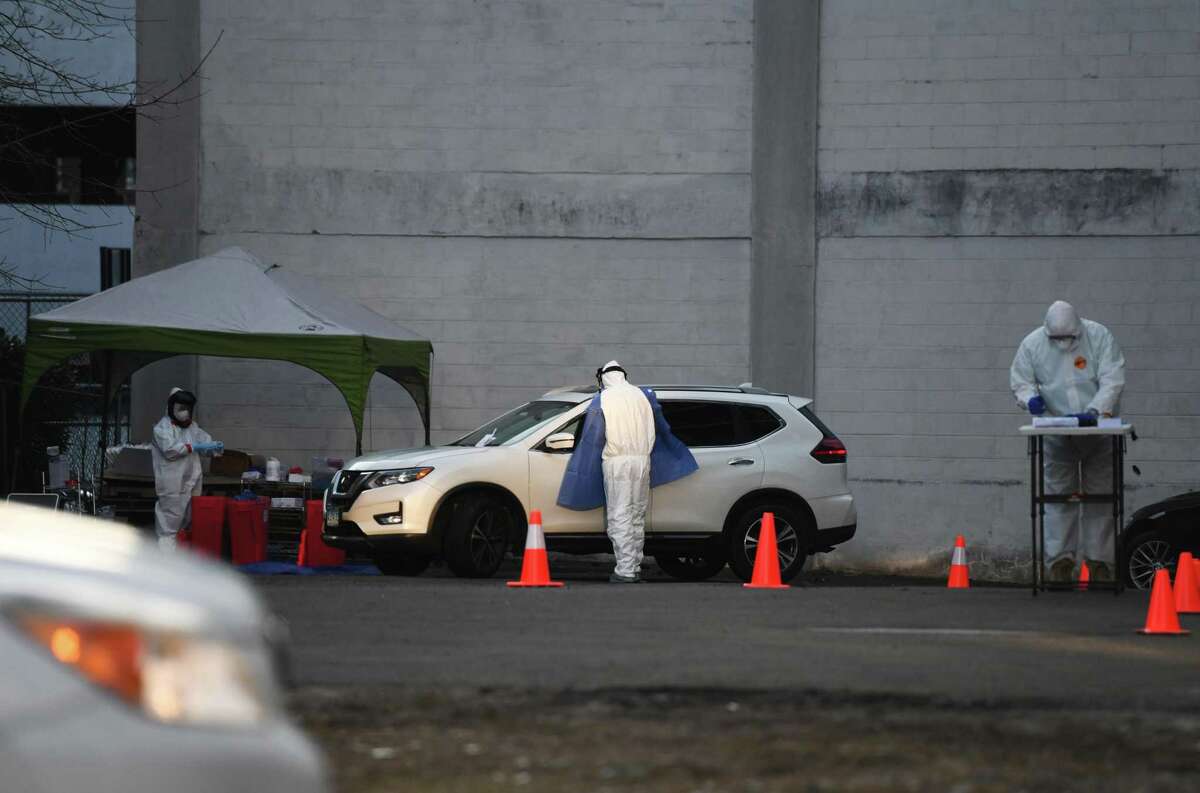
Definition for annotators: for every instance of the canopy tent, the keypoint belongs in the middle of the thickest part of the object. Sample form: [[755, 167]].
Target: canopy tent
[[230, 304]]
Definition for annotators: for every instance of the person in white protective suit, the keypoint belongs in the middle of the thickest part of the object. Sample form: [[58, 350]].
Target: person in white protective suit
[[1073, 367], [625, 447], [629, 439], [176, 449]]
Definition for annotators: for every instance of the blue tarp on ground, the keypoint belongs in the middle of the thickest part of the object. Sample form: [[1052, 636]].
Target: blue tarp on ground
[[288, 568]]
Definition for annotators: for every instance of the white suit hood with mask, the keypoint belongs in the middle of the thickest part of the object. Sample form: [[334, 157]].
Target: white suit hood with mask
[[1074, 364], [177, 471], [629, 439]]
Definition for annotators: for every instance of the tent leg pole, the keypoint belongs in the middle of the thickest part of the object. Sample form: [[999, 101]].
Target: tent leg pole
[[98, 475]]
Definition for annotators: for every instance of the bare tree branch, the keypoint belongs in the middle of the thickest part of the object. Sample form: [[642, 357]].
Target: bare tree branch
[[31, 76]]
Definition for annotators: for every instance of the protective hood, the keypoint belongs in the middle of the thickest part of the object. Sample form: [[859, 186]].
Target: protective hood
[[612, 374], [181, 406], [1063, 320]]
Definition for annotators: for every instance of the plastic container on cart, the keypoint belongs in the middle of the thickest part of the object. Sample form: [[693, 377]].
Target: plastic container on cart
[[274, 470], [322, 472], [208, 525]]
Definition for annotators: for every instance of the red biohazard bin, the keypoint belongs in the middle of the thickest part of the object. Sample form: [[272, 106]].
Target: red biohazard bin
[[313, 550], [242, 535], [262, 526], [208, 525]]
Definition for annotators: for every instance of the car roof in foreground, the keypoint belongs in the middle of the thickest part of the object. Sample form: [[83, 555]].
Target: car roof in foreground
[[106, 570]]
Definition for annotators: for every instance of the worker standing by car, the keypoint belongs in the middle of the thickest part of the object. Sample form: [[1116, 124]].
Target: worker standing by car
[[178, 444], [1073, 367], [625, 448]]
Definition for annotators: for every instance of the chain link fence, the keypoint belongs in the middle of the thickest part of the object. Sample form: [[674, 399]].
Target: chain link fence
[[66, 409]]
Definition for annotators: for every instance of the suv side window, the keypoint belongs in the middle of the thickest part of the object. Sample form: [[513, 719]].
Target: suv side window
[[700, 424], [754, 422]]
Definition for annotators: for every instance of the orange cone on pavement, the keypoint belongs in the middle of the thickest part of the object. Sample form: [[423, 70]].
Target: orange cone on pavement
[[959, 574], [1187, 589], [766, 558], [1085, 576], [1161, 619], [535, 566]]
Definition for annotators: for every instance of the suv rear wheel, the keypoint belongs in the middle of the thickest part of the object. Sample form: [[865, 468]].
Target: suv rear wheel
[[793, 532], [477, 535]]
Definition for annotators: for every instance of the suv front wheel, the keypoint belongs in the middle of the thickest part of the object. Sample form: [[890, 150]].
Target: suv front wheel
[[793, 530], [477, 536]]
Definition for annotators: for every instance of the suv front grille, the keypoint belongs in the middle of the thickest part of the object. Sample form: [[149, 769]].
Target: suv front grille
[[345, 481]]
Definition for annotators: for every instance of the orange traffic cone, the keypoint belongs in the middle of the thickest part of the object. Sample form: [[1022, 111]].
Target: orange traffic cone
[[766, 558], [1187, 591], [535, 567], [1085, 576], [959, 575], [1161, 619]]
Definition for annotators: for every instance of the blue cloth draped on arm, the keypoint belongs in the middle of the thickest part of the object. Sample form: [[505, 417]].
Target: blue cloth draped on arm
[[583, 483]]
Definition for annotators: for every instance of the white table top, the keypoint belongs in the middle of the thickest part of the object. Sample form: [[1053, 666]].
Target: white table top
[[1124, 429]]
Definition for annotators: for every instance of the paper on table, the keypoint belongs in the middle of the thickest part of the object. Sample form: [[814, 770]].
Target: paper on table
[[1055, 421], [1110, 424]]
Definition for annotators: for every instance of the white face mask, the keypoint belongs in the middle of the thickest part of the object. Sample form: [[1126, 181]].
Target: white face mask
[[182, 414], [1066, 345]]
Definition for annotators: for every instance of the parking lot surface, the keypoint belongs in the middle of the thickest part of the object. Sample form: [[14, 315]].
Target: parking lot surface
[[437, 683]]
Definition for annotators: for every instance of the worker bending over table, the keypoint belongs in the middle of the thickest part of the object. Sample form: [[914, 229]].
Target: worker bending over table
[[1072, 366]]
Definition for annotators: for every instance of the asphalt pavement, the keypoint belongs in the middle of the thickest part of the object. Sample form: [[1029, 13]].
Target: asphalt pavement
[[987, 646]]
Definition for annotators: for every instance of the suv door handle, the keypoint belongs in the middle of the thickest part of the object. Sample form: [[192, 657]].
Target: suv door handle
[[741, 461]]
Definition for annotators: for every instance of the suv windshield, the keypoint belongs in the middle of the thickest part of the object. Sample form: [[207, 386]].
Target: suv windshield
[[514, 424]]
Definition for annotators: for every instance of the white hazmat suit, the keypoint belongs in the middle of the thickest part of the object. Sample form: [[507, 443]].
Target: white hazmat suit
[[1075, 366], [629, 439], [177, 474]]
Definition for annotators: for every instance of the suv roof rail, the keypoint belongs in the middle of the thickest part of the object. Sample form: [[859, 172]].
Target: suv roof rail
[[745, 388]]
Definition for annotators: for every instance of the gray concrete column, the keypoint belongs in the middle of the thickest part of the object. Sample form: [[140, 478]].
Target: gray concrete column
[[168, 174], [784, 169]]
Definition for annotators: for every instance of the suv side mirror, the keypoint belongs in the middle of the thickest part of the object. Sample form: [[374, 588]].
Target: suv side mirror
[[561, 442]]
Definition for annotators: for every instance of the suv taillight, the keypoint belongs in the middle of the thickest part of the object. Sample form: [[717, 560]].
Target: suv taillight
[[830, 450]]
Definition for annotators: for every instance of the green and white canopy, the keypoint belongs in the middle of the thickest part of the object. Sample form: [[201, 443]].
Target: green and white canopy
[[230, 304]]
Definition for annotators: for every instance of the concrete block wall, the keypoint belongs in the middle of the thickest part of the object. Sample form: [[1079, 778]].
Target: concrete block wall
[[538, 186], [977, 161]]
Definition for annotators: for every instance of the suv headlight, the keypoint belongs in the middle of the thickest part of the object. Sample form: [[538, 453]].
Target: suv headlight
[[174, 678], [399, 476]]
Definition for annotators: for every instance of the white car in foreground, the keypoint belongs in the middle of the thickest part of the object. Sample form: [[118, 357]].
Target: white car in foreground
[[468, 502], [127, 670]]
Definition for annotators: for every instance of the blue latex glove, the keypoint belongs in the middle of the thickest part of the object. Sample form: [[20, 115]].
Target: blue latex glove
[[1037, 406], [1085, 419], [208, 448]]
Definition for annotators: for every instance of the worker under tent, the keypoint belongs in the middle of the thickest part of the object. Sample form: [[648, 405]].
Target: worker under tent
[[250, 310]]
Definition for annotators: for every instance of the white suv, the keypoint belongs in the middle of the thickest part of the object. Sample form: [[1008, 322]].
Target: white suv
[[468, 502]]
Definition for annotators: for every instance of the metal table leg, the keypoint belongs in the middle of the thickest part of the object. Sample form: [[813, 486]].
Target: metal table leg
[[1118, 511], [1041, 496], [1033, 518]]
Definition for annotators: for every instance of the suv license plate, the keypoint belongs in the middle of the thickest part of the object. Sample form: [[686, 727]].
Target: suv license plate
[[333, 518]]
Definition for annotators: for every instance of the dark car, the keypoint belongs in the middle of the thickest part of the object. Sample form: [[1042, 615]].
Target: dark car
[[1157, 534]]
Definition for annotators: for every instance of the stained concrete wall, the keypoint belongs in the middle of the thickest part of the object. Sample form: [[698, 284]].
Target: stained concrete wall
[[537, 186], [169, 51], [786, 64], [978, 161]]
